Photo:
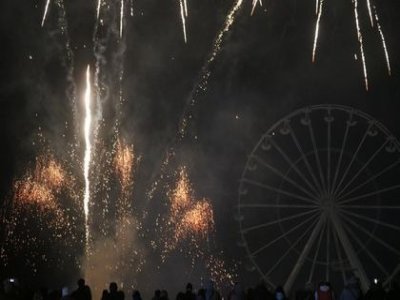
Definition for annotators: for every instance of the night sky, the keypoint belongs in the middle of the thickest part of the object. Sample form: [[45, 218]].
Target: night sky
[[263, 72]]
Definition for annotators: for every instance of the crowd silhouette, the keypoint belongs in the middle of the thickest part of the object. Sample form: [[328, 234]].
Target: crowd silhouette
[[12, 290]]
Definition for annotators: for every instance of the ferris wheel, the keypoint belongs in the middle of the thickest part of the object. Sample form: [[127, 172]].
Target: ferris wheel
[[319, 199]]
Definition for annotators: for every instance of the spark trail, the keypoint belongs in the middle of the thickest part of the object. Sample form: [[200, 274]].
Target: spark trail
[[184, 14], [205, 70], [383, 42], [46, 9], [319, 12], [360, 40], [254, 5], [199, 87], [88, 151], [121, 20]]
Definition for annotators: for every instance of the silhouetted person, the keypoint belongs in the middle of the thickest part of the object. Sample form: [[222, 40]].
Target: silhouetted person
[[307, 293], [394, 291], [136, 295], [324, 291], [201, 294], [211, 292], [82, 292], [261, 292], [180, 296], [376, 292], [352, 290], [250, 294], [279, 294], [105, 295], [157, 294], [237, 292], [189, 295], [164, 295]]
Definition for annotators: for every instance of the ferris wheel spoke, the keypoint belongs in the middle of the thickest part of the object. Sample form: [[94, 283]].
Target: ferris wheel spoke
[[328, 248], [261, 205], [378, 222], [303, 255], [262, 248], [349, 251], [304, 158], [388, 168], [328, 170], [376, 207], [292, 246], [315, 149], [390, 188], [286, 178], [336, 188], [339, 253], [362, 169], [369, 253], [277, 190], [294, 167], [295, 216], [341, 153], [310, 276], [367, 232]]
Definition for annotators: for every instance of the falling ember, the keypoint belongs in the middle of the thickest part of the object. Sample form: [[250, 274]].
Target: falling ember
[[124, 161], [321, 2], [183, 8], [46, 8], [88, 151], [360, 40], [383, 42]]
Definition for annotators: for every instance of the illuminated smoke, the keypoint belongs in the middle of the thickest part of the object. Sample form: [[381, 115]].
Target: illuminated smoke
[[88, 150], [46, 8]]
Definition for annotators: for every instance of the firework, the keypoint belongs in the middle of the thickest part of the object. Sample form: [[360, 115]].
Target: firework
[[184, 14], [383, 42], [198, 220], [121, 20], [88, 150], [46, 8], [319, 12], [360, 40], [124, 161], [254, 5]]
